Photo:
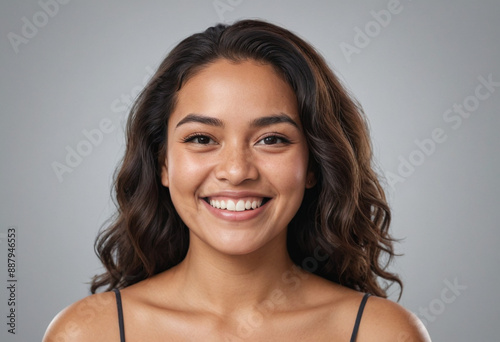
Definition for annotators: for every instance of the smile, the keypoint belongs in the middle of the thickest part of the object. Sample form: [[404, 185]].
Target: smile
[[236, 204]]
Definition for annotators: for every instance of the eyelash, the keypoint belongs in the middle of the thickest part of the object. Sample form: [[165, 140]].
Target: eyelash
[[191, 139], [284, 140]]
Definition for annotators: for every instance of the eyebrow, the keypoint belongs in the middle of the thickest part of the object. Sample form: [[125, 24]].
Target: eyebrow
[[259, 122], [206, 120], [273, 119]]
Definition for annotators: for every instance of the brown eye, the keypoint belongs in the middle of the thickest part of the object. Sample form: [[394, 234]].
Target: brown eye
[[273, 140], [202, 140], [199, 139]]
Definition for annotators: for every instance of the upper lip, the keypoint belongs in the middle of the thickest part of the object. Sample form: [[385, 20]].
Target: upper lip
[[236, 194]]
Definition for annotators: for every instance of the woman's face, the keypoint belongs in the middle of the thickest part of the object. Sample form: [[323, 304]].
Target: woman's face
[[237, 159]]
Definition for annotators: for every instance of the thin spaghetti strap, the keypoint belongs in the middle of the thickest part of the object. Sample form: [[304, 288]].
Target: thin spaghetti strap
[[358, 317], [120, 314]]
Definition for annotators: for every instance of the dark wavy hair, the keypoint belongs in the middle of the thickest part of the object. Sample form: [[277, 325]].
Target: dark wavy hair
[[340, 231]]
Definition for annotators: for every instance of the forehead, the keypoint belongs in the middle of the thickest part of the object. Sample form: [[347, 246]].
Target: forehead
[[245, 89]]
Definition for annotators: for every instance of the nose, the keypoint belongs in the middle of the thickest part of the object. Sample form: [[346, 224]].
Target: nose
[[236, 165]]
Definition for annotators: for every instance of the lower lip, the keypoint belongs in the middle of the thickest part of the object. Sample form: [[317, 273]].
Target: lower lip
[[234, 215]]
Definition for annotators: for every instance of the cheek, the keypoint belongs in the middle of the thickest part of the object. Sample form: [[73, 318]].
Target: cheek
[[185, 177], [186, 171], [289, 172]]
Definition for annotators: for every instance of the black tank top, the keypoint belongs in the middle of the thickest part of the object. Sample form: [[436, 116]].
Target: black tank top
[[122, 327]]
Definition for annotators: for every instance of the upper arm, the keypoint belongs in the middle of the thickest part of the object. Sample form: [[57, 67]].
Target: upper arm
[[90, 319], [385, 321]]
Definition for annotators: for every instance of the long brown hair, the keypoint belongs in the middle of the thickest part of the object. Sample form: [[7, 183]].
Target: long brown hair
[[340, 232]]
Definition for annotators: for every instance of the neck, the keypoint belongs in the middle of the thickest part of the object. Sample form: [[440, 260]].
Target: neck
[[224, 283]]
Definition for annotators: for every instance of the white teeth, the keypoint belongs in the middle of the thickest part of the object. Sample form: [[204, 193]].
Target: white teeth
[[240, 205], [230, 205]]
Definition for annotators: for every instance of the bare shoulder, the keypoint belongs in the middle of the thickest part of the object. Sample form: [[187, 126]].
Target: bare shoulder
[[93, 318], [384, 320]]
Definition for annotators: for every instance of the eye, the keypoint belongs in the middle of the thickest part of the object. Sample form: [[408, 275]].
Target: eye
[[273, 140], [199, 139]]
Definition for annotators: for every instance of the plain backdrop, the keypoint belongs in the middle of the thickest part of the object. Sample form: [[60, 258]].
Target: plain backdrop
[[426, 73]]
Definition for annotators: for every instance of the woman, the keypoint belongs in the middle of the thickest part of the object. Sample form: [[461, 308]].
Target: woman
[[248, 207]]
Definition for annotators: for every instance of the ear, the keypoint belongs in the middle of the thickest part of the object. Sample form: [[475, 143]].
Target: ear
[[164, 174], [310, 179]]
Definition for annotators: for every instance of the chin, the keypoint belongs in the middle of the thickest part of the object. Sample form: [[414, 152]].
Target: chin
[[237, 248], [243, 244]]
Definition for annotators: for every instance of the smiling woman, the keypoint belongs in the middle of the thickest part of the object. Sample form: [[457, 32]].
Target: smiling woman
[[233, 156], [248, 208]]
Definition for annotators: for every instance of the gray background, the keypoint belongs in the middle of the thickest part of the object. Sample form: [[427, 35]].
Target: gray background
[[86, 58]]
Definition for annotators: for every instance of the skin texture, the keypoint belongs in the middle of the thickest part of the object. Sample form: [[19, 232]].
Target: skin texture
[[237, 282]]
